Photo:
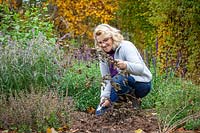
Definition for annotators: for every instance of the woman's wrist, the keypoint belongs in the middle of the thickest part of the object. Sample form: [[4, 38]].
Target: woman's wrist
[[103, 99]]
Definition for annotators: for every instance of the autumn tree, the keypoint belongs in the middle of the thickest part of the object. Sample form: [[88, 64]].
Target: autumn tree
[[177, 26], [132, 19], [77, 18]]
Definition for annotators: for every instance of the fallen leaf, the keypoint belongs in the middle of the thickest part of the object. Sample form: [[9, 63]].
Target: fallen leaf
[[65, 127], [51, 130], [74, 130], [48, 130], [180, 129], [91, 110], [154, 113], [139, 131]]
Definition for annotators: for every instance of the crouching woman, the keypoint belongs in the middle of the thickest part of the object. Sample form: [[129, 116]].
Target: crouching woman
[[125, 67]]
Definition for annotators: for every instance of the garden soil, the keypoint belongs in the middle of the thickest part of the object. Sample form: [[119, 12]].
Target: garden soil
[[120, 119]]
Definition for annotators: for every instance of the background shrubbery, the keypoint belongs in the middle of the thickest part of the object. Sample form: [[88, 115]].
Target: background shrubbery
[[24, 25]]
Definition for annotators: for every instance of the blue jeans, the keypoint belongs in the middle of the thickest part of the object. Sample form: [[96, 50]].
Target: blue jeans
[[127, 85]]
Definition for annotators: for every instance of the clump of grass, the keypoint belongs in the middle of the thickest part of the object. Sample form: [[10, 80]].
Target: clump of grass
[[177, 99], [34, 111], [176, 102]]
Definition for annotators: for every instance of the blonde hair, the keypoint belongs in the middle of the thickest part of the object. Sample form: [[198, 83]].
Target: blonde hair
[[105, 31]]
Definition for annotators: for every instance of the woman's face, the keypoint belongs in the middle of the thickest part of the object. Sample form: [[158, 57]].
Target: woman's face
[[105, 43]]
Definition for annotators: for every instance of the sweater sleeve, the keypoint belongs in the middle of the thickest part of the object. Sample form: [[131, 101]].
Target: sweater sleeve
[[134, 61], [106, 88]]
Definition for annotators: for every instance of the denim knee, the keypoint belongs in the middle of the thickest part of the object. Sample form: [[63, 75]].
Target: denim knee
[[142, 89], [124, 82], [113, 95], [120, 79]]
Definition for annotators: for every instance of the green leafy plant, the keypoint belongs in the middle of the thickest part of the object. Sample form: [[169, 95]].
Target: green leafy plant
[[82, 81], [24, 25]]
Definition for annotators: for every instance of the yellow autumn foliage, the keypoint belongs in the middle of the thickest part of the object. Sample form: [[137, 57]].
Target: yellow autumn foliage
[[12, 3], [78, 17]]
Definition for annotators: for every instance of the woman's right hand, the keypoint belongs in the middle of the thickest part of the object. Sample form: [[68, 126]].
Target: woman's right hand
[[105, 102]]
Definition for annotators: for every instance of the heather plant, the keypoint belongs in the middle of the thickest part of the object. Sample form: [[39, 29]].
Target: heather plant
[[35, 111], [38, 64]]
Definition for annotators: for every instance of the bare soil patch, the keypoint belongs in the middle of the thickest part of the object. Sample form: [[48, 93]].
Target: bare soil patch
[[123, 119]]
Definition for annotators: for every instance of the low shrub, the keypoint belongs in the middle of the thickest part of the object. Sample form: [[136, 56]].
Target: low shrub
[[37, 64], [82, 81], [34, 111]]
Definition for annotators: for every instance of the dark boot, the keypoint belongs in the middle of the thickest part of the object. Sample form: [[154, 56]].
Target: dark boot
[[136, 102]]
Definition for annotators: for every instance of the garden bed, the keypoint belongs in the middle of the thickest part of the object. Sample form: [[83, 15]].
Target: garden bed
[[121, 119]]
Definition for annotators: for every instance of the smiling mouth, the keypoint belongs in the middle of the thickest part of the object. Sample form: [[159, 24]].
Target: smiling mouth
[[105, 47]]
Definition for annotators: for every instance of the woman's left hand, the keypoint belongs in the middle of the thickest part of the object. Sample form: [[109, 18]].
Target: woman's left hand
[[121, 64]]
